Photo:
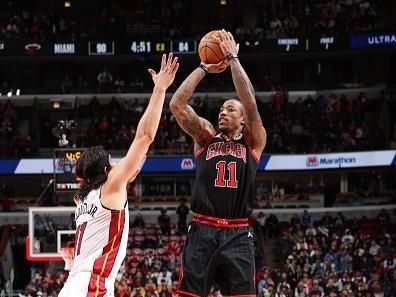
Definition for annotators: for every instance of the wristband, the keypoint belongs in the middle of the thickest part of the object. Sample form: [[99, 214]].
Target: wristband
[[204, 68], [231, 56]]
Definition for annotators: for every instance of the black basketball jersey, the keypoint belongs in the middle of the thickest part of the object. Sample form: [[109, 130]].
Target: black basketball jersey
[[225, 173]]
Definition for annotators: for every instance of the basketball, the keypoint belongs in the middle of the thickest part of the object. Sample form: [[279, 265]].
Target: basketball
[[209, 48]]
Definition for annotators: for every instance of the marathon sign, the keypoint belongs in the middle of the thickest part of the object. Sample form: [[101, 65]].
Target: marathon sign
[[186, 164], [315, 161], [331, 161], [373, 40]]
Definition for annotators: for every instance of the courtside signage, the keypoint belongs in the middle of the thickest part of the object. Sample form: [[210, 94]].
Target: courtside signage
[[187, 164], [331, 161], [175, 164], [373, 40]]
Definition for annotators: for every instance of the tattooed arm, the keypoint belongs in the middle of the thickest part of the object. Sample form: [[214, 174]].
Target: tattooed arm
[[198, 128], [256, 134]]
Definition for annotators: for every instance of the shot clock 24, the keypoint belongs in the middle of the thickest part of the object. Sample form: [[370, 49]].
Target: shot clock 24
[[65, 161]]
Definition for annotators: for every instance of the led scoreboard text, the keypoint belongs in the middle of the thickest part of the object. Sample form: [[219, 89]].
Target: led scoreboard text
[[65, 161], [103, 48]]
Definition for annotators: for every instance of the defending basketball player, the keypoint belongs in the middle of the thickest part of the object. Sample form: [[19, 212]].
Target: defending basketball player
[[102, 210], [220, 244]]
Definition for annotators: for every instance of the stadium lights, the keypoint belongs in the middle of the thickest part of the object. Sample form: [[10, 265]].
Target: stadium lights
[[67, 4], [56, 104], [10, 93]]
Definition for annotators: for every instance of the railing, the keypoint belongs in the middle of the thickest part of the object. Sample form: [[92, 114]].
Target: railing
[[283, 214]]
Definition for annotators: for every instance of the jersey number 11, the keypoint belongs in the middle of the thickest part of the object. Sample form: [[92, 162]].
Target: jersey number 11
[[220, 181], [78, 237]]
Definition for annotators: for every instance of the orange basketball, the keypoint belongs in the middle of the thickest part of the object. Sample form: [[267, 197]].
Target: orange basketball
[[209, 49]]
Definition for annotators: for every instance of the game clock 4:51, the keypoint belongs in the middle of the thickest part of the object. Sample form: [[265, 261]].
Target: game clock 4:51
[[140, 46]]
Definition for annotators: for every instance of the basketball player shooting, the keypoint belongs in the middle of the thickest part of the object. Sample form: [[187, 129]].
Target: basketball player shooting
[[102, 218], [220, 244]]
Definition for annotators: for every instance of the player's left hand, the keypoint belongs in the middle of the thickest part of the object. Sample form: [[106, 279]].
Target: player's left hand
[[166, 75], [227, 43], [217, 68]]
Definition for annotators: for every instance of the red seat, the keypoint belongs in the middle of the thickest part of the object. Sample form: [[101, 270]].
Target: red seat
[[175, 238], [139, 232], [149, 251], [161, 251], [137, 252], [151, 232], [138, 238]]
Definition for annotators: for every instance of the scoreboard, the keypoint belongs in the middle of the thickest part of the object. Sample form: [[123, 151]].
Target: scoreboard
[[97, 48], [189, 46], [65, 161]]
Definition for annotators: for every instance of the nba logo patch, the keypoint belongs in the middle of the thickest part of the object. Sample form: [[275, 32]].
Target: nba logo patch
[[187, 164], [238, 136]]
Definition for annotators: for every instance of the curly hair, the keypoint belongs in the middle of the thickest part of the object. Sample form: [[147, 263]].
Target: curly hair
[[92, 168]]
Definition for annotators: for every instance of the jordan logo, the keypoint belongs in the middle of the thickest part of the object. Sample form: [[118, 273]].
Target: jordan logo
[[250, 234]]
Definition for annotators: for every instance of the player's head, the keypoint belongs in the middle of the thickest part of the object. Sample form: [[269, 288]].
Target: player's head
[[231, 116], [92, 168]]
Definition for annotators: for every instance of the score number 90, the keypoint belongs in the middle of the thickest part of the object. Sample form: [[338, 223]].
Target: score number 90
[[101, 48]]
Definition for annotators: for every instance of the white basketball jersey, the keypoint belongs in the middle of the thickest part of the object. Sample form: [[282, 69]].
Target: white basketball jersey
[[100, 244]]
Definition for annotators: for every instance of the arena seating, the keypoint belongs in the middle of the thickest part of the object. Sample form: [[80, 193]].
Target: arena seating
[[260, 19], [338, 256], [308, 125]]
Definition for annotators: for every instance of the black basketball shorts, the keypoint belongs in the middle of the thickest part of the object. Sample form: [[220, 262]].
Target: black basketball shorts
[[221, 252]]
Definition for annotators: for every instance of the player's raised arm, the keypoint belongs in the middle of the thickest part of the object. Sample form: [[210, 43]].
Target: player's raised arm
[[127, 169], [198, 128], [256, 133]]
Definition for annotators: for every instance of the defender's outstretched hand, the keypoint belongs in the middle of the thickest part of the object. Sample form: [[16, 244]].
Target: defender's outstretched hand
[[164, 78]]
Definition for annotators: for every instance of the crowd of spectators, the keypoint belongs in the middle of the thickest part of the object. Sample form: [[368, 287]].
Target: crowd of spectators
[[21, 20], [321, 125], [114, 126], [308, 125], [331, 256], [273, 19], [327, 257], [36, 22], [13, 141]]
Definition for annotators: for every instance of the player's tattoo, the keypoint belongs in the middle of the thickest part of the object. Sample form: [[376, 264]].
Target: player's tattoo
[[245, 92], [185, 115]]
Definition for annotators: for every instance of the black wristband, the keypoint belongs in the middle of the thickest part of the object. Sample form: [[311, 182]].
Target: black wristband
[[231, 56], [204, 68]]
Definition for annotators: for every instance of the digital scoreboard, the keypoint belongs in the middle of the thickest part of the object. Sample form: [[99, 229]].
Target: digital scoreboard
[[65, 161], [105, 48]]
